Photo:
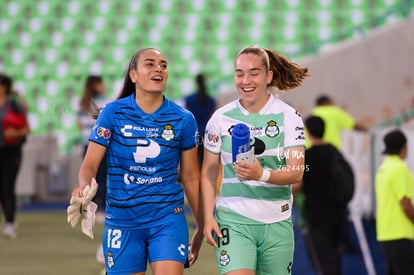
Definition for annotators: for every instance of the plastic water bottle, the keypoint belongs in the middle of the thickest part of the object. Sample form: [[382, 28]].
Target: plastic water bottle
[[240, 139]]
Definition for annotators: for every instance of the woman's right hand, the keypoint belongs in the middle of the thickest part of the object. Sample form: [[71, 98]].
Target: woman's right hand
[[210, 228]]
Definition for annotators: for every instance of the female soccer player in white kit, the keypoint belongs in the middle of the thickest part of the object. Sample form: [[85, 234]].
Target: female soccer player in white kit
[[253, 209]]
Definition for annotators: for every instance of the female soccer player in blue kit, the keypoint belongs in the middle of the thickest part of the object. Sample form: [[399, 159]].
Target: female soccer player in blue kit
[[146, 136]]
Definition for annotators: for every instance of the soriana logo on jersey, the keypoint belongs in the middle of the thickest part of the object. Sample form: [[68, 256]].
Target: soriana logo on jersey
[[103, 132]]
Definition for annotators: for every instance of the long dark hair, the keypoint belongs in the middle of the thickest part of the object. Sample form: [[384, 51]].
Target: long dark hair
[[89, 92], [286, 74], [201, 89], [7, 82], [129, 86]]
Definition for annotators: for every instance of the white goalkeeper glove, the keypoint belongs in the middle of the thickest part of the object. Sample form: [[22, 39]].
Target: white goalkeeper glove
[[84, 208]]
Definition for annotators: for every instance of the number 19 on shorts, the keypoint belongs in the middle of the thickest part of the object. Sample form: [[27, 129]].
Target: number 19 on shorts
[[225, 239]]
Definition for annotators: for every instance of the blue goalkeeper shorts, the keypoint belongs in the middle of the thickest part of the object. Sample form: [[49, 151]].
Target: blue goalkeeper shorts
[[128, 251]]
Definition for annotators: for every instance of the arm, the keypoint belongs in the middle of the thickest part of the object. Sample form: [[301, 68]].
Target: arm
[[296, 187], [89, 166], [190, 178], [17, 133], [291, 173], [359, 127], [209, 174], [408, 208]]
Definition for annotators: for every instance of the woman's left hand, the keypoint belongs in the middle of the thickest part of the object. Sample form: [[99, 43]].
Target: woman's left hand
[[248, 171]]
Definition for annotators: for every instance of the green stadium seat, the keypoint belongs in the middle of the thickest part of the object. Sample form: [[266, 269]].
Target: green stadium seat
[[61, 42], [322, 24], [291, 5]]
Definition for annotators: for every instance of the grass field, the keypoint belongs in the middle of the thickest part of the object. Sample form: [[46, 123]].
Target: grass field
[[47, 245]]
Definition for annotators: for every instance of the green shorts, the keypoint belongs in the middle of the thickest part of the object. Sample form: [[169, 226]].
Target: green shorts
[[265, 248]]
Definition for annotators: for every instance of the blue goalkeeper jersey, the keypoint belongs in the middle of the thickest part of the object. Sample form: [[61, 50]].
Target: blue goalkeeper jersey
[[143, 154]]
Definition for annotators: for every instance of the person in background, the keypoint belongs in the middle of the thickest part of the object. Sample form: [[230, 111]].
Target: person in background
[[202, 105], [146, 136], [14, 129], [395, 210], [252, 214], [322, 232], [336, 120], [92, 99]]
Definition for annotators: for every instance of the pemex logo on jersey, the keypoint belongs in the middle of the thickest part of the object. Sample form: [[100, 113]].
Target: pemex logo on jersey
[[168, 132], [272, 130]]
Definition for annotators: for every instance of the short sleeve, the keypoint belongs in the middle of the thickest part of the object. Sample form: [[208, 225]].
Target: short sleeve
[[403, 183], [212, 135], [102, 130], [294, 129], [345, 119]]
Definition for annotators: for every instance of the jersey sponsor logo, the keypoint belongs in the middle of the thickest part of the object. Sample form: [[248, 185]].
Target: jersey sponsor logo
[[289, 267], [300, 137], [150, 132], [212, 139], [103, 132], [168, 132], [284, 207], [128, 179], [146, 148], [142, 168], [181, 249], [301, 131], [125, 132], [178, 210], [272, 130]]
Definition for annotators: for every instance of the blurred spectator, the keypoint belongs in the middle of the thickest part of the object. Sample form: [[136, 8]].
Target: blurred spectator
[[325, 216], [93, 98], [14, 128], [395, 211], [202, 106], [336, 120]]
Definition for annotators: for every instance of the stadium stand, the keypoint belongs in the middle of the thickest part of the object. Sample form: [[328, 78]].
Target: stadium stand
[[50, 47]]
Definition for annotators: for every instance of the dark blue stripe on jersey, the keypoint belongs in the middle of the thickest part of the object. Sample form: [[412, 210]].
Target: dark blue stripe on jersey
[[143, 155]]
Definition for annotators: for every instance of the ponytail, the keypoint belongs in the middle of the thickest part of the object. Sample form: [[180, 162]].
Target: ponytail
[[286, 74]]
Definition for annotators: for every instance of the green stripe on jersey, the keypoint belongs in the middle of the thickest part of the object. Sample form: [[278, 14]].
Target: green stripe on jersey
[[255, 192]]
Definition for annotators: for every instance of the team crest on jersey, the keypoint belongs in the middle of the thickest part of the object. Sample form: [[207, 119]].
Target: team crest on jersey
[[272, 130], [111, 261], [103, 132], [168, 132], [224, 258]]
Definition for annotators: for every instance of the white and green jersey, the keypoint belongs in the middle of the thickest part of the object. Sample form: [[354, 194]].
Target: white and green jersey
[[276, 127]]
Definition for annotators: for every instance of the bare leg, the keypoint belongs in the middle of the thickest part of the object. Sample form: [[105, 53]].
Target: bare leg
[[167, 268]]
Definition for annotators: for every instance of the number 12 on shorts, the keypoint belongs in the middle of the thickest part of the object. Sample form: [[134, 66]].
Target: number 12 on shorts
[[225, 240], [114, 236]]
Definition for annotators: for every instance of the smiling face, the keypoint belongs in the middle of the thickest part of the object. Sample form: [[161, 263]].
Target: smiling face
[[251, 78], [150, 72]]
